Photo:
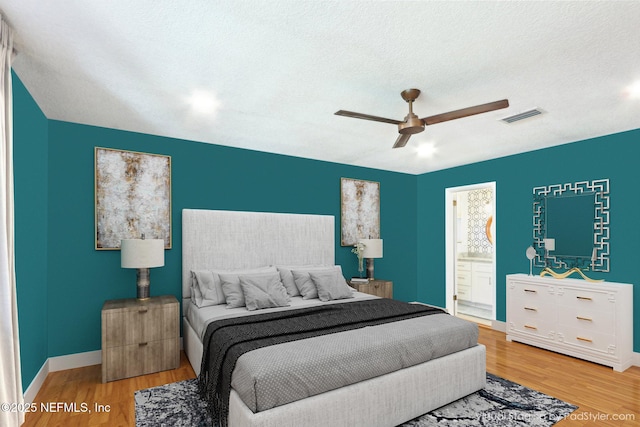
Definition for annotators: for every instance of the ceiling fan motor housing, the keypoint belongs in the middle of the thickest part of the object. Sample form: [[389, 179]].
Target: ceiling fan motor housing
[[412, 124]]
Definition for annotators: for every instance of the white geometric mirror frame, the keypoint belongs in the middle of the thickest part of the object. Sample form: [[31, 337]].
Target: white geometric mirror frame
[[600, 188]]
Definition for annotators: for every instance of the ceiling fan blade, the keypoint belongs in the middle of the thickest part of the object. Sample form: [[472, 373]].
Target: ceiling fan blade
[[465, 112], [366, 117], [402, 140]]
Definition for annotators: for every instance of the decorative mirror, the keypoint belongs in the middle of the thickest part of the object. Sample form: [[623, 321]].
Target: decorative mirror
[[571, 225]]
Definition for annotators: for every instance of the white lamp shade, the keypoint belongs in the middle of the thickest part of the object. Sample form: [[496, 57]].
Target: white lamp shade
[[372, 248], [142, 253]]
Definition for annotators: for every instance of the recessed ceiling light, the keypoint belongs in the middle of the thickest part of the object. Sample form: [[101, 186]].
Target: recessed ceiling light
[[203, 102], [633, 91], [426, 150]]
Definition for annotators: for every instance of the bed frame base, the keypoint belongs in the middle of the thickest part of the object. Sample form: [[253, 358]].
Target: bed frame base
[[385, 401]]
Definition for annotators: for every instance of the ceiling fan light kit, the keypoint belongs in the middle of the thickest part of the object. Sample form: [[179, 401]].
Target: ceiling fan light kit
[[412, 124]]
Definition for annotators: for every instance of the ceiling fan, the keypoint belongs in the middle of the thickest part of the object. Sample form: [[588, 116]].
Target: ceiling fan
[[412, 124]]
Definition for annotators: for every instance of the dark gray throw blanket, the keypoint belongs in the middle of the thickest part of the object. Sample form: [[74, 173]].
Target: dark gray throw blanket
[[226, 340]]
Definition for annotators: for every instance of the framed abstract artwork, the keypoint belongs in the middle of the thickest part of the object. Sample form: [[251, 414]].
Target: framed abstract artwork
[[132, 197], [359, 210]]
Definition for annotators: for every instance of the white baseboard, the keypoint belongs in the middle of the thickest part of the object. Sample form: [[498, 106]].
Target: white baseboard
[[62, 363], [33, 389], [77, 360], [499, 326]]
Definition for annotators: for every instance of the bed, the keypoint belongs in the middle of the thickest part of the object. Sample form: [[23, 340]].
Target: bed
[[227, 240]]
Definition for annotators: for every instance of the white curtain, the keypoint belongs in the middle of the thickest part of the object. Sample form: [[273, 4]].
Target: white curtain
[[10, 382]]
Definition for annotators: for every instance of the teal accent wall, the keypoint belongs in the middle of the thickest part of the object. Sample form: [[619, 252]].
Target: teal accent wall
[[203, 176], [31, 206], [613, 156]]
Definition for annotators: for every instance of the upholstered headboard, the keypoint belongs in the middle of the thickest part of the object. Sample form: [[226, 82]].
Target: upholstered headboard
[[214, 239]]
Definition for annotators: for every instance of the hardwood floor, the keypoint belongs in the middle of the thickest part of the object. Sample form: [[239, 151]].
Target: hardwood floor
[[84, 385], [601, 393]]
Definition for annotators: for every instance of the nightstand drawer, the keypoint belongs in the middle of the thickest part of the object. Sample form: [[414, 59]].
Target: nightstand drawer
[[380, 288], [140, 359], [133, 326]]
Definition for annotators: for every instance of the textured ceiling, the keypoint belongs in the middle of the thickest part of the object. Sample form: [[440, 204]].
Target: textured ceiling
[[278, 70]]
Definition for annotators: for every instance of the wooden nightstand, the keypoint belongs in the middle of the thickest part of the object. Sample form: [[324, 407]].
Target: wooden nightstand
[[140, 337], [380, 288]]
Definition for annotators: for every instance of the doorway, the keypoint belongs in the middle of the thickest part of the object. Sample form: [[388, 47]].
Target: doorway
[[470, 251]]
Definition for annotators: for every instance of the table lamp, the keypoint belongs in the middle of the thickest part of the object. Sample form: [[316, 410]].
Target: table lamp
[[372, 249], [142, 254]]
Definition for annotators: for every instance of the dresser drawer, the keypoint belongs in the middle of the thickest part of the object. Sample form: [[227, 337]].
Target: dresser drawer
[[531, 292], [592, 340], [532, 319], [586, 299], [535, 327], [587, 320]]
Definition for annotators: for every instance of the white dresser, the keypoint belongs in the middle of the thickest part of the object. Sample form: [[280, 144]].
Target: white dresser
[[592, 321]]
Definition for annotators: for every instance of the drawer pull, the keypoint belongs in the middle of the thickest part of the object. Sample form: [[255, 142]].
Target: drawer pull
[[142, 310], [533, 291], [531, 309], [531, 327], [584, 339], [584, 318], [585, 298], [142, 344]]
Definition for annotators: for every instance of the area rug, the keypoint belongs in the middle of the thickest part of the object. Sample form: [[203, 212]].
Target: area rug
[[501, 403]]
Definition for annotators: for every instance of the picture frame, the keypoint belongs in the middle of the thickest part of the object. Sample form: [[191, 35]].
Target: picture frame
[[132, 197], [359, 210]]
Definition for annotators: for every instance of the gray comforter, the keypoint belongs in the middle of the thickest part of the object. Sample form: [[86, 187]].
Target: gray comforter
[[276, 375]]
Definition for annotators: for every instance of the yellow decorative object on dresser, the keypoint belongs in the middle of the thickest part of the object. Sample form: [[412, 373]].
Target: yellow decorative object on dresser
[[140, 337]]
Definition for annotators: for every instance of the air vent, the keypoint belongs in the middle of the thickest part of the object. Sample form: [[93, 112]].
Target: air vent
[[522, 116]]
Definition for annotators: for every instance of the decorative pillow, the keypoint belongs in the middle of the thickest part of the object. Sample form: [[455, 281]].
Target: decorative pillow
[[206, 286], [287, 277], [205, 290], [263, 291], [304, 283], [330, 285], [231, 285], [196, 295]]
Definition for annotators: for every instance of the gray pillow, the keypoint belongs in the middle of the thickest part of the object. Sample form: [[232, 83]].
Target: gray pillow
[[287, 277], [304, 284], [230, 284], [205, 290], [330, 285], [263, 291], [206, 287]]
